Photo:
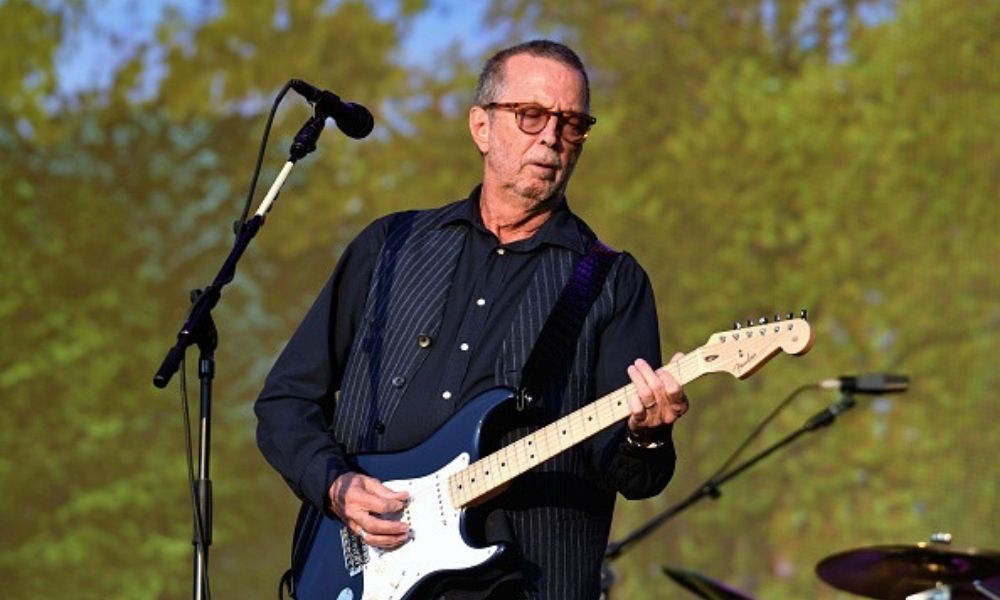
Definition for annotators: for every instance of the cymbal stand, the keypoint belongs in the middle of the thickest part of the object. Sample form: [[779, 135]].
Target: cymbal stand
[[982, 590], [711, 487]]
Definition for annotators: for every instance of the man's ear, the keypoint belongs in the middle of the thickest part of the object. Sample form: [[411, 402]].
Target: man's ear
[[479, 127]]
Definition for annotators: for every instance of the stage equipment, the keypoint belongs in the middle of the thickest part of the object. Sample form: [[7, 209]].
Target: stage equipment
[[703, 587], [924, 571], [198, 327], [353, 119], [873, 383], [847, 386]]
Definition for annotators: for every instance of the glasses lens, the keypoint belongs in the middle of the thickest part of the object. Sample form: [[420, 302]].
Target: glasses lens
[[532, 119], [575, 129]]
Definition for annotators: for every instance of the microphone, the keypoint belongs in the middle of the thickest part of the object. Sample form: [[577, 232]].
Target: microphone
[[353, 119], [872, 383]]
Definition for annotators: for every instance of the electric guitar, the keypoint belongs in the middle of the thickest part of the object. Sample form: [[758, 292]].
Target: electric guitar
[[445, 474]]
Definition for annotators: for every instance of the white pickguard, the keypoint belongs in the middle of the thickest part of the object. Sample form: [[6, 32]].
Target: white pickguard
[[436, 545]]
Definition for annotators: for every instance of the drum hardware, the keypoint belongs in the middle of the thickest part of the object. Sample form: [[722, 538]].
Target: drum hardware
[[924, 571], [703, 587]]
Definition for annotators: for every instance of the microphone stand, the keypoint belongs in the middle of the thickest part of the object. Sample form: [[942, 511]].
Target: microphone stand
[[199, 329], [711, 487]]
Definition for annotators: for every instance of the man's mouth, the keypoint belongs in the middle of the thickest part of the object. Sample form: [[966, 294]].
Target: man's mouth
[[544, 171]]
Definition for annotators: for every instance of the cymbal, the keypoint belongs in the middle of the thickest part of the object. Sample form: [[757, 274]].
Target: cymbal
[[895, 572], [703, 587]]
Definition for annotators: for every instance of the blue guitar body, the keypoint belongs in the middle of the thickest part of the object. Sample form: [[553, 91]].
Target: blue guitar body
[[337, 565]]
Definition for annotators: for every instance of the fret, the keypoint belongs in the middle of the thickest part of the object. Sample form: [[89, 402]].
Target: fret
[[740, 355]]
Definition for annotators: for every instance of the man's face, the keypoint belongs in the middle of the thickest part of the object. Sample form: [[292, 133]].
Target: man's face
[[537, 166]]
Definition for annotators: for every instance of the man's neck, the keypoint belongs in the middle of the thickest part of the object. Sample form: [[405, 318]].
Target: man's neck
[[512, 218]]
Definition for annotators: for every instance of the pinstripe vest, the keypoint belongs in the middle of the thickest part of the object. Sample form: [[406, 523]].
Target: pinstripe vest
[[560, 519]]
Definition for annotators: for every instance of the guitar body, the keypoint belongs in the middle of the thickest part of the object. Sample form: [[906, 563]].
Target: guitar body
[[338, 566]]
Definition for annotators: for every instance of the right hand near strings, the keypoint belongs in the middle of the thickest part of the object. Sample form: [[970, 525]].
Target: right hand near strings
[[370, 510]]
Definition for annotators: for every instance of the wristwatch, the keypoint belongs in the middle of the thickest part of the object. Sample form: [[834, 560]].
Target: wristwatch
[[636, 442]]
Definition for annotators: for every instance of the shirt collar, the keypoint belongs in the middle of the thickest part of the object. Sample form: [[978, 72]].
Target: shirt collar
[[563, 228]]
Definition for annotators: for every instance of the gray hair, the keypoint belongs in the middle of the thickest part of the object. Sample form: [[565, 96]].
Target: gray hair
[[491, 80]]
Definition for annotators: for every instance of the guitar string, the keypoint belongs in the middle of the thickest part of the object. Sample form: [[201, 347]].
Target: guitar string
[[461, 483], [549, 436]]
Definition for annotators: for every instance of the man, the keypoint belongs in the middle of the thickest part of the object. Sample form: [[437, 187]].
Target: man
[[427, 309]]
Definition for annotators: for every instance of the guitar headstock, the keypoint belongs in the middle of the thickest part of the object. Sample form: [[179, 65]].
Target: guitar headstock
[[745, 348]]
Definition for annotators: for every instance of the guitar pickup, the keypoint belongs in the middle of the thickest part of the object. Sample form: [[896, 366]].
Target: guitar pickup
[[355, 552]]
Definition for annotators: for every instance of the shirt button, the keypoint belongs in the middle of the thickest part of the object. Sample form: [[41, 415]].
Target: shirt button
[[424, 340], [501, 251], [446, 395], [380, 427], [481, 302], [463, 347], [398, 381]]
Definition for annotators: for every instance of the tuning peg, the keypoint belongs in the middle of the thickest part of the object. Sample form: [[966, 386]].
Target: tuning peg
[[790, 316], [749, 322], [803, 314], [777, 317], [737, 325], [762, 321]]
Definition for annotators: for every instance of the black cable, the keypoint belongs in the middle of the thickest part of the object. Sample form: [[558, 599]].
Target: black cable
[[758, 430], [189, 447], [260, 154], [285, 583]]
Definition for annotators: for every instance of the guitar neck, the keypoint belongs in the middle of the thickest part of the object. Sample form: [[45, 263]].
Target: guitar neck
[[739, 352], [496, 469]]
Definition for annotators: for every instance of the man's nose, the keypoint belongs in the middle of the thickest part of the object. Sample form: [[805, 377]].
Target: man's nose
[[550, 134]]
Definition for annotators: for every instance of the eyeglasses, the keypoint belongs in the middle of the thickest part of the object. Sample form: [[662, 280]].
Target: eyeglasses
[[532, 118]]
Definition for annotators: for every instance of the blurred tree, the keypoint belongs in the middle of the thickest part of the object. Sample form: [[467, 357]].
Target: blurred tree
[[765, 156], [98, 291], [756, 156], [29, 73]]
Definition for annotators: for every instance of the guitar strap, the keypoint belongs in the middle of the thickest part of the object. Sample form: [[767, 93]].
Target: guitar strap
[[552, 355]]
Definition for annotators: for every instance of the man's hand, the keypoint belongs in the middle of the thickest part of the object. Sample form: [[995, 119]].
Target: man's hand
[[659, 399], [370, 510]]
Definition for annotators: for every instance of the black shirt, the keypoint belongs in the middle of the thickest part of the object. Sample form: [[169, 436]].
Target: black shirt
[[488, 282]]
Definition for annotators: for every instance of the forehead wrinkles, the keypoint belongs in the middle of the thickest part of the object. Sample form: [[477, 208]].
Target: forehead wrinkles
[[542, 81]]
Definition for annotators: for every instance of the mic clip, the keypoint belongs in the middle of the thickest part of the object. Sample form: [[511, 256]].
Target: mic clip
[[829, 414], [305, 140]]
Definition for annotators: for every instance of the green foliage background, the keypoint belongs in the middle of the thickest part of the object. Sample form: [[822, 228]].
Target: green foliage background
[[754, 160]]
